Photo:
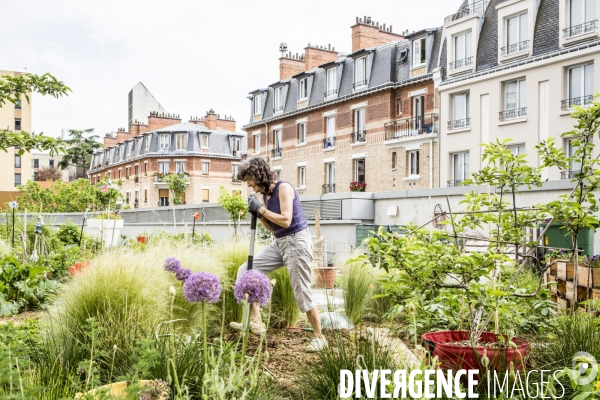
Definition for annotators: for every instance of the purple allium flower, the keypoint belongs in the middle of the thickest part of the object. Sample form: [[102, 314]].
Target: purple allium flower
[[182, 274], [172, 265], [256, 285], [202, 286]]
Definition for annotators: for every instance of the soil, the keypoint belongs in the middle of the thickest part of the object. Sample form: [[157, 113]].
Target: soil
[[22, 317]]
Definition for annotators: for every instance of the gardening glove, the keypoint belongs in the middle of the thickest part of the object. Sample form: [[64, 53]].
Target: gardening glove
[[254, 204]]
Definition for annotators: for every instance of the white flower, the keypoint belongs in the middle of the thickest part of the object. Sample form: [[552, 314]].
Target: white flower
[[172, 291]]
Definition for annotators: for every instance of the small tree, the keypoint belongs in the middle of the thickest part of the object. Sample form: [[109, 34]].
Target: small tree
[[177, 185], [49, 174], [233, 203], [79, 153]]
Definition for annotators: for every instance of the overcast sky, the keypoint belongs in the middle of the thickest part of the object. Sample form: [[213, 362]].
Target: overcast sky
[[192, 55]]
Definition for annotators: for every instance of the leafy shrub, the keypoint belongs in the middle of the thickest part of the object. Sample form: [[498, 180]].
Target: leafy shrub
[[69, 233]]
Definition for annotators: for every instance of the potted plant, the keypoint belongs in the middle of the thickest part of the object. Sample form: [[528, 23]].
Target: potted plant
[[588, 274], [136, 179], [142, 237], [326, 277], [358, 186]]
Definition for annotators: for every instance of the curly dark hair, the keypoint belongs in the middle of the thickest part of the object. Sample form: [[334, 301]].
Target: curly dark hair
[[259, 171]]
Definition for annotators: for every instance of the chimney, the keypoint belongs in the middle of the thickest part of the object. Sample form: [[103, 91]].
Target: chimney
[[227, 123], [109, 140], [137, 128], [63, 134], [290, 65], [367, 33], [122, 135], [158, 120], [210, 120], [318, 55]]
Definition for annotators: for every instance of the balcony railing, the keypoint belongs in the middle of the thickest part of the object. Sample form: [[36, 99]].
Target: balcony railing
[[276, 152], [475, 7], [160, 177], [515, 48], [329, 142], [465, 62], [277, 109], [234, 179], [455, 182], [576, 101], [163, 202], [358, 137], [514, 113], [359, 84], [568, 174], [459, 123], [329, 188], [411, 127], [330, 93], [580, 29]]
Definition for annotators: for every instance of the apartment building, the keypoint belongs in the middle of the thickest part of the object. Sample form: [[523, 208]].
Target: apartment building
[[16, 170], [368, 119], [207, 150], [514, 69], [41, 160]]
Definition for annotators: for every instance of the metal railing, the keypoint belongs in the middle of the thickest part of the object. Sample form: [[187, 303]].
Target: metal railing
[[515, 47], [579, 29], [411, 126], [576, 101], [454, 183], [475, 7], [276, 152], [277, 109], [465, 62], [331, 93], [459, 123], [329, 142], [329, 188], [568, 174], [234, 179], [359, 84], [358, 137], [514, 113]]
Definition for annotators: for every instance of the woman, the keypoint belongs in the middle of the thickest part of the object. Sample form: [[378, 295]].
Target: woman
[[282, 215]]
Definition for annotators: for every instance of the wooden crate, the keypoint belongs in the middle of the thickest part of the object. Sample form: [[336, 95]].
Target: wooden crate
[[581, 292], [565, 271], [553, 268], [588, 277], [561, 287], [551, 280], [563, 304], [595, 294]]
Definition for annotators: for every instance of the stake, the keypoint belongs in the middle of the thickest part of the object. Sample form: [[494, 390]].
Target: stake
[[82, 225], [13, 229], [249, 267], [193, 229]]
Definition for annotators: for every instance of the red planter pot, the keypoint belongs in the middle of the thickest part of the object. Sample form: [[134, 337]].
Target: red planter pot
[[325, 277], [455, 357], [142, 239]]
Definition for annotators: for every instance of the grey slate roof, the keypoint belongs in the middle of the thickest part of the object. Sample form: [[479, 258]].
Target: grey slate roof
[[547, 28]]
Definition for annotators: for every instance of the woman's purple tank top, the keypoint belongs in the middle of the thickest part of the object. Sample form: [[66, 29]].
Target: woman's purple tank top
[[299, 221]]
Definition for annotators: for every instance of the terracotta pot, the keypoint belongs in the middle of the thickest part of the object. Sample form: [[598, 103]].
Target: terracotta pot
[[455, 357], [142, 239], [325, 277], [588, 277]]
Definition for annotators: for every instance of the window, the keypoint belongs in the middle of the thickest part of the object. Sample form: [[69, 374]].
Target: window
[[303, 90], [514, 100], [277, 104], [331, 82], [330, 132], [256, 144], [127, 172], [164, 142], [517, 149], [235, 146], [301, 177], [36, 163], [360, 133], [17, 179], [413, 163], [580, 86], [329, 178], [582, 17], [145, 167], [51, 163], [136, 198], [180, 141], [145, 195], [163, 197], [360, 72], [163, 167], [137, 170], [460, 168], [205, 165], [17, 161], [277, 174], [204, 140], [394, 159], [35, 176], [127, 197], [277, 143], [257, 105], [399, 107], [17, 104], [418, 52], [234, 172], [463, 53], [17, 124], [180, 167], [119, 172], [460, 111], [148, 139], [359, 170], [302, 132], [516, 34], [574, 166], [129, 149], [205, 195]]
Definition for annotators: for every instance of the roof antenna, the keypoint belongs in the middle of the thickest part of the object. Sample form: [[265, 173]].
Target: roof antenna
[[283, 48]]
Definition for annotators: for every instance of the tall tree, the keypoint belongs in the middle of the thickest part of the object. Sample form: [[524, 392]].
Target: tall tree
[[13, 89], [81, 146]]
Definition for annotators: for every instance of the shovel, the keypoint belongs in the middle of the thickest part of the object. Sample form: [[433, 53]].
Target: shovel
[[249, 264]]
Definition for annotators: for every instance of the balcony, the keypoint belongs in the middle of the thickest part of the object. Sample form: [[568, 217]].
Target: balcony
[[459, 123], [329, 143], [159, 178], [359, 84], [330, 93], [410, 127], [575, 101], [477, 7], [455, 183], [329, 188], [580, 29], [511, 114], [358, 137], [568, 174], [465, 62], [514, 48], [277, 110], [276, 152]]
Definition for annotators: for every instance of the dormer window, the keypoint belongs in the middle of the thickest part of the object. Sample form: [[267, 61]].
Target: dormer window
[[129, 148], [582, 17], [331, 84], [419, 52], [180, 141], [204, 141], [277, 101], [164, 142], [257, 104], [516, 34], [463, 51], [302, 89], [360, 72], [235, 146], [148, 138]]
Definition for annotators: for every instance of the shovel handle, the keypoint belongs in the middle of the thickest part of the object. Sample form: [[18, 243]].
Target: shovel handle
[[252, 238]]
